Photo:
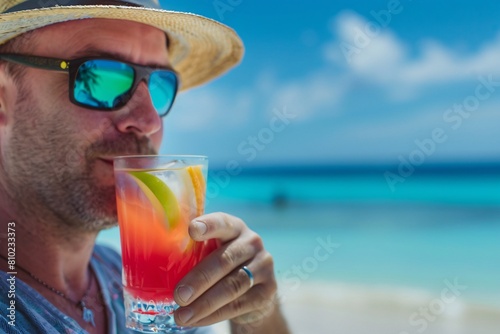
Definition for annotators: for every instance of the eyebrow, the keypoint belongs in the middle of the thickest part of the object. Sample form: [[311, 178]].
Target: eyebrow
[[95, 52]]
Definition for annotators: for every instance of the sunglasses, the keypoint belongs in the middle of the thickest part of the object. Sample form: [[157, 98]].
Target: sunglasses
[[107, 84]]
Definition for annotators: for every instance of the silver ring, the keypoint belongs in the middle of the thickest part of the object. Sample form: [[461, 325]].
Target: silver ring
[[250, 275]]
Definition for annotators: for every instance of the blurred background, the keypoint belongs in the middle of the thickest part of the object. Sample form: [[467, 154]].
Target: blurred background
[[362, 141]]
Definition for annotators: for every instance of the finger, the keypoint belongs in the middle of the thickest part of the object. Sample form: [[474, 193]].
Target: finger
[[250, 307], [231, 288], [225, 291], [219, 226], [217, 265]]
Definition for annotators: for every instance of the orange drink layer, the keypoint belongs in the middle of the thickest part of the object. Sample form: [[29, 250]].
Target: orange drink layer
[[155, 207]]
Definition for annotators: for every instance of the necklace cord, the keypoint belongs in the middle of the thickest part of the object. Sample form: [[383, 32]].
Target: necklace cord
[[88, 315]]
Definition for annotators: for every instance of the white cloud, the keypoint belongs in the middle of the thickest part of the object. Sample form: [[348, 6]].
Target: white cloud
[[384, 59], [381, 59], [211, 107], [374, 56], [401, 69], [311, 95], [387, 138]]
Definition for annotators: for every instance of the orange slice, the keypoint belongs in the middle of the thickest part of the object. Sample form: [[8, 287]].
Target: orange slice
[[199, 185], [195, 185]]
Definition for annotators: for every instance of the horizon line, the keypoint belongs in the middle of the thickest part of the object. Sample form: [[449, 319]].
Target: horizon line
[[360, 168]]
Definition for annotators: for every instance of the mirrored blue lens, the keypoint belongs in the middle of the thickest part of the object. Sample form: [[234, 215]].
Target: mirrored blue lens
[[163, 88], [102, 83]]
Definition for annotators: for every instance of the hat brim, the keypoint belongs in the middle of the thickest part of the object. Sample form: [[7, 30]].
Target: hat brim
[[200, 49]]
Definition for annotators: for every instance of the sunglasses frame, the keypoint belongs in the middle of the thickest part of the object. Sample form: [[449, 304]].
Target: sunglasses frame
[[141, 73]]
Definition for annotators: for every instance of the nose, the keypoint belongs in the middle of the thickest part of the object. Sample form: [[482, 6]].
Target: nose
[[139, 116]]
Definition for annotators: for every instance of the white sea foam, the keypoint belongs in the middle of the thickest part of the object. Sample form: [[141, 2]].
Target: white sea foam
[[337, 294], [322, 306], [340, 308]]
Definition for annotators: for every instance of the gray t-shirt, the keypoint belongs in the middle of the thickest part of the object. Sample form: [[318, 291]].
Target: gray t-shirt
[[34, 314]]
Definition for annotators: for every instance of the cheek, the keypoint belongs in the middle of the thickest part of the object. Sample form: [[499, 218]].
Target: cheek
[[58, 94], [51, 90], [45, 125]]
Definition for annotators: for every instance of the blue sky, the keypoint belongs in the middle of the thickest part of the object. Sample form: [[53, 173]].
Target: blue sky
[[358, 86]]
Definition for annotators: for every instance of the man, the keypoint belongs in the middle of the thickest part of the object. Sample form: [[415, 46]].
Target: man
[[57, 138]]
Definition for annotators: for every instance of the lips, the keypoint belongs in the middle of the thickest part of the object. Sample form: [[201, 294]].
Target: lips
[[108, 161]]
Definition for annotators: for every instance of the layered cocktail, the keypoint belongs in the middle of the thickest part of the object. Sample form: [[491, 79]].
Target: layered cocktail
[[157, 197]]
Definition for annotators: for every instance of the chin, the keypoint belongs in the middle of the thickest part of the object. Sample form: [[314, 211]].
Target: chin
[[110, 217], [106, 225], [99, 224], [102, 217]]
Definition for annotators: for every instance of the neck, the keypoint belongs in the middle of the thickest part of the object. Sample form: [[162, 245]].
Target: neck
[[55, 255]]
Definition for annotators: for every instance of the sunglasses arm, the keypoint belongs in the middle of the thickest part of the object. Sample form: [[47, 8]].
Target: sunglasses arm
[[38, 62]]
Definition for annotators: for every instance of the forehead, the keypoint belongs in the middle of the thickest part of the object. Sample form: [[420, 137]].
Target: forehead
[[131, 41]]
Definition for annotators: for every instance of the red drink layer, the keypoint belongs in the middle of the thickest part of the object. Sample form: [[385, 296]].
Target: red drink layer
[[156, 253]]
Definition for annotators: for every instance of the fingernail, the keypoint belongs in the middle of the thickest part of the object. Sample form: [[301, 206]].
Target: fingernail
[[184, 292], [185, 314], [201, 227]]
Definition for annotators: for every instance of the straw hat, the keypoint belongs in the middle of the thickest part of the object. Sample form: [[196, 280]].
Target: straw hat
[[199, 48]]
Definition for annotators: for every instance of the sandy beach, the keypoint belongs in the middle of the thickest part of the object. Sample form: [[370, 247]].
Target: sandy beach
[[321, 308]]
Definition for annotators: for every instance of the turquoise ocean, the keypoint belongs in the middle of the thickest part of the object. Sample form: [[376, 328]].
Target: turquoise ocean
[[437, 227]]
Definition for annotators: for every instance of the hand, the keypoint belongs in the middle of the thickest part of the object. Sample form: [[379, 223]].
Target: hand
[[217, 288]]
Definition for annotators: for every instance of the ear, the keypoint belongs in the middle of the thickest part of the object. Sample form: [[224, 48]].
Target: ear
[[7, 95]]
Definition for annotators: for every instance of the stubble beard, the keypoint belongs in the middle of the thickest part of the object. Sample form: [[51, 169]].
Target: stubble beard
[[51, 174]]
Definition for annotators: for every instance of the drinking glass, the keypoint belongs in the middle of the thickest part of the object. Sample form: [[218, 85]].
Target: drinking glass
[[157, 197]]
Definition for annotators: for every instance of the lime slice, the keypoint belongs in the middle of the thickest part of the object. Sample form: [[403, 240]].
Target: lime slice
[[157, 191]]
